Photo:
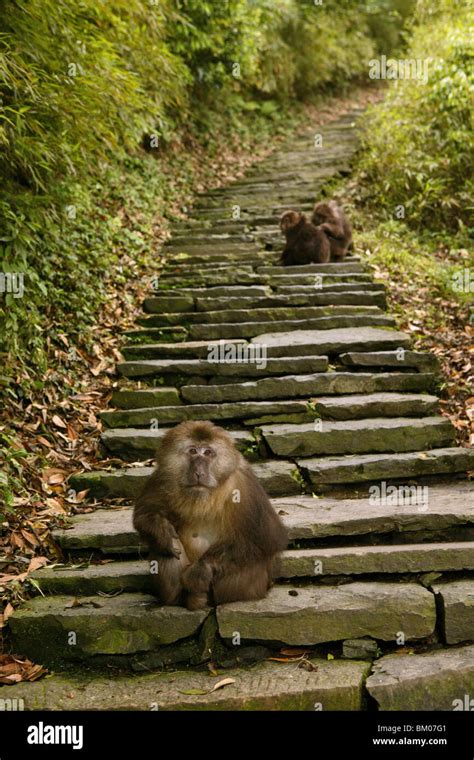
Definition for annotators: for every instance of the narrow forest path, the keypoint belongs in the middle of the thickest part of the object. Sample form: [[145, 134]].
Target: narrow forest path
[[341, 406]]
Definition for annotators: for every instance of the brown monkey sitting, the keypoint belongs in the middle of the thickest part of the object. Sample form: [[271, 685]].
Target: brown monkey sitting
[[305, 243], [331, 218], [207, 521]]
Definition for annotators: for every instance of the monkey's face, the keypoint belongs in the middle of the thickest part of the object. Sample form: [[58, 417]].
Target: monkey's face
[[201, 468], [197, 457], [289, 219], [321, 213]]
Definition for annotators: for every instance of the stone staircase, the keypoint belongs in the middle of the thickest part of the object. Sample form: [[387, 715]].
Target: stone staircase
[[375, 604]]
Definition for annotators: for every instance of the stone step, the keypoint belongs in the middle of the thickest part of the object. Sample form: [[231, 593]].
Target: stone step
[[339, 268], [252, 329], [258, 412], [316, 280], [313, 298], [375, 467], [118, 625], [159, 396], [456, 607], [316, 287], [334, 685], [192, 349], [134, 575], [439, 680], [301, 342], [134, 445], [318, 614], [337, 383], [408, 514], [227, 277], [218, 291], [421, 361], [276, 477], [255, 366], [133, 623], [359, 436], [246, 411], [279, 314]]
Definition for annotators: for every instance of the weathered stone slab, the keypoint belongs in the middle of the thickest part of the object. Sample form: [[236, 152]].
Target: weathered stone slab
[[342, 267], [317, 614], [271, 314], [252, 329], [437, 509], [375, 405], [277, 280], [169, 303], [275, 476], [335, 685], [457, 604], [102, 625], [312, 298], [359, 436], [256, 366], [333, 287], [236, 277], [126, 398], [332, 341], [295, 386], [196, 349], [373, 467], [438, 680], [131, 444], [217, 291], [424, 362], [246, 410], [364, 560], [120, 576]]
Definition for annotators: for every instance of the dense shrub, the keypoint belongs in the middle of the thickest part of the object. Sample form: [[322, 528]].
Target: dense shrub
[[419, 143]]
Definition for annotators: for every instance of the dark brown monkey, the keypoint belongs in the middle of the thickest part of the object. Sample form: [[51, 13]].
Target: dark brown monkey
[[305, 243], [331, 218], [207, 521]]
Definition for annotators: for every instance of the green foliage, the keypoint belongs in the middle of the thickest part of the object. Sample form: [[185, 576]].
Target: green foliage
[[419, 143], [84, 85]]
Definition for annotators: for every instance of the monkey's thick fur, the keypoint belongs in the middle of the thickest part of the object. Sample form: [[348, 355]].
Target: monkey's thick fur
[[207, 521]]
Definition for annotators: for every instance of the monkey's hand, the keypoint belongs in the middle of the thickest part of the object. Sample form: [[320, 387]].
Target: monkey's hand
[[197, 577], [164, 537], [333, 230]]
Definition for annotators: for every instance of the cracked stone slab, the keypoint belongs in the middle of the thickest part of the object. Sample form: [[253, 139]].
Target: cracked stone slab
[[277, 478], [254, 367], [294, 386], [252, 329], [457, 605], [134, 575], [335, 685], [122, 624], [332, 341], [438, 680], [359, 436], [374, 467], [313, 615], [444, 509]]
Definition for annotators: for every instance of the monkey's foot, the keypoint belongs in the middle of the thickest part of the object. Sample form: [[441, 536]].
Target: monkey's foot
[[197, 601]]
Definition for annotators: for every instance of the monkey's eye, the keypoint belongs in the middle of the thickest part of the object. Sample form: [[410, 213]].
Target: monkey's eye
[[192, 450], [209, 453]]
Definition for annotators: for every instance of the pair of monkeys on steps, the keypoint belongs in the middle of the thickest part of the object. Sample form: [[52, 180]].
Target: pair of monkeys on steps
[[327, 237]]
